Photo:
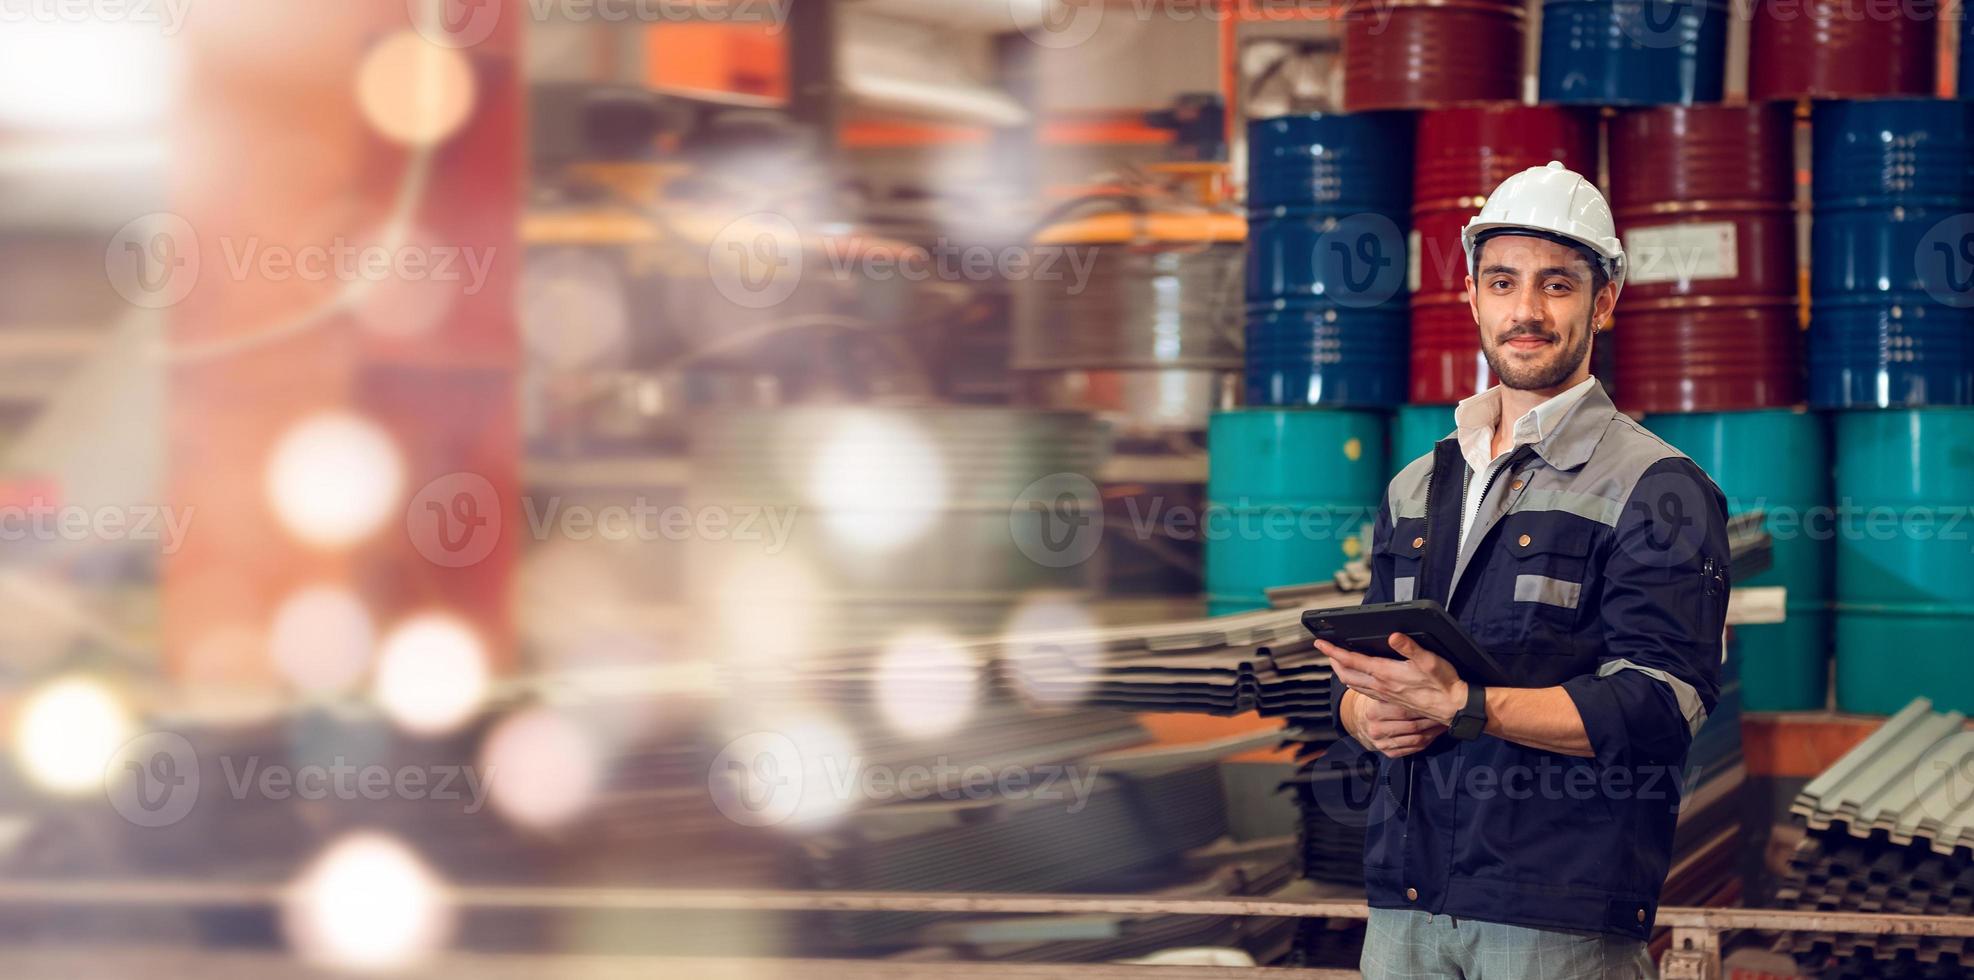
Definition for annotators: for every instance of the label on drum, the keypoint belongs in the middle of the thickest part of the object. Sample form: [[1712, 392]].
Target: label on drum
[[1760, 604], [1680, 253], [1412, 262]]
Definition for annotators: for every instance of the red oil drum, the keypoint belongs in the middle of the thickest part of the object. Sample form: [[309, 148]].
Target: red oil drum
[[1702, 196], [1838, 49], [1415, 54], [1462, 153]]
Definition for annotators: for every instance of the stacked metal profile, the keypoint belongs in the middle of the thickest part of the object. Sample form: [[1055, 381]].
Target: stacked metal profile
[[1890, 827], [1829, 874], [1128, 823], [1225, 665], [1327, 209], [1620, 52]]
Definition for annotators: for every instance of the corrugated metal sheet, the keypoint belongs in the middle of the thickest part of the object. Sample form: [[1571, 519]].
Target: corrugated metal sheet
[[1907, 781]]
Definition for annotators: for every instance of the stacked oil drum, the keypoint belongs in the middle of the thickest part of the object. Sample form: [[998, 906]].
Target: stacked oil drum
[[1891, 353], [1299, 471], [1627, 53]]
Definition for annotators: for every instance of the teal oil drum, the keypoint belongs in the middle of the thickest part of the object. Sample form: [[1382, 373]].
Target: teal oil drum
[[1778, 461], [1905, 561], [1288, 491], [1414, 429]]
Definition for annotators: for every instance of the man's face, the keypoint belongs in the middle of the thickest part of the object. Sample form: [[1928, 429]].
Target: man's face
[[1536, 310]]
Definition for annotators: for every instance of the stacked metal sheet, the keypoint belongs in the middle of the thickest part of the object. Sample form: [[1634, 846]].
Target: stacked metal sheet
[[1224, 665], [1889, 824], [1832, 873], [1127, 823], [1906, 782]]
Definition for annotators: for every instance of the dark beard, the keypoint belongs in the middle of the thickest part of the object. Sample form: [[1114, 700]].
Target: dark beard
[[1536, 379]]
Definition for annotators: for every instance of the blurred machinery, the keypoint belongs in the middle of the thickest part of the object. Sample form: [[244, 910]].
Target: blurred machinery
[[1151, 341]]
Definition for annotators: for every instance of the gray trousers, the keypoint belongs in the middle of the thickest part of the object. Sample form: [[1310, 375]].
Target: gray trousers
[[1401, 944]]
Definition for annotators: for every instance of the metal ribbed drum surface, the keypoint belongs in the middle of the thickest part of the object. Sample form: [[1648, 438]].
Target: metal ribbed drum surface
[[1838, 49], [1892, 254], [1155, 306], [1342, 163], [1707, 321], [1326, 313], [1632, 52], [1287, 492], [1415, 55], [1463, 153], [1778, 461], [1905, 571], [1323, 354]]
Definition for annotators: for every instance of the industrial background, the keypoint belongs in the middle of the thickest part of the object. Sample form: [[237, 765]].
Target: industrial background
[[825, 488]]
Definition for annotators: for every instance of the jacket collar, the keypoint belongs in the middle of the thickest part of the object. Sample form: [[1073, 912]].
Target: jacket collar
[[1564, 431], [1573, 440]]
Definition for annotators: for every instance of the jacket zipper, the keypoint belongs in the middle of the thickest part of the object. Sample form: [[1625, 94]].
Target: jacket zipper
[[1412, 763]]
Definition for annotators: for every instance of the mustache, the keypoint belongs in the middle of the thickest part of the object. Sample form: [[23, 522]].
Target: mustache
[[1530, 330]]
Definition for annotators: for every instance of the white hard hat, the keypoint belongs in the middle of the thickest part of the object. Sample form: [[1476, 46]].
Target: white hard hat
[[1552, 199]]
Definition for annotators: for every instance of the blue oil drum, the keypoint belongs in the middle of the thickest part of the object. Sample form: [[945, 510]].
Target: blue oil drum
[[1288, 492], [1892, 254], [1777, 461], [1905, 558], [1327, 355], [1338, 163], [1328, 315], [1633, 52]]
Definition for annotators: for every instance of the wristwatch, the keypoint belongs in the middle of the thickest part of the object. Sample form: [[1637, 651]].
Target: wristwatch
[[1471, 720]]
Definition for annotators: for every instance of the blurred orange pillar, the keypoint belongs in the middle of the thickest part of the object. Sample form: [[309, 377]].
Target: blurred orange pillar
[[342, 266]]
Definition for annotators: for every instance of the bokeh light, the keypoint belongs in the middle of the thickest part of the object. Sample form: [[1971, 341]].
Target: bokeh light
[[544, 767], [1049, 669], [67, 732], [334, 478], [367, 904], [926, 683], [879, 482], [322, 639], [432, 673], [413, 91]]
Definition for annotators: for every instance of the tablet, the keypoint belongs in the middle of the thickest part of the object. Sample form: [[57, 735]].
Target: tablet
[[1365, 628]]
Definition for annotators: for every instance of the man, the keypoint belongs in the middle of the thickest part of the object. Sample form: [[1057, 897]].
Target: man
[[1524, 833]]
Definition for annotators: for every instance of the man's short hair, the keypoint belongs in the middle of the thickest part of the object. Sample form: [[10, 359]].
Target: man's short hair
[[1599, 278]]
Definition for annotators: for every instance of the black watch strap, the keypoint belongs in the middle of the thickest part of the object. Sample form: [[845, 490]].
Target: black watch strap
[[1471, 720]]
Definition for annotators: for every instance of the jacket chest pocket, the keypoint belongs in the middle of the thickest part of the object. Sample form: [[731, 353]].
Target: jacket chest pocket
[[1546, 572], [1405, 549]]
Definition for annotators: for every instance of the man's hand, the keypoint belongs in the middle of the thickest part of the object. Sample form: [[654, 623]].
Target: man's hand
[[1392, 730], [1423, 684]]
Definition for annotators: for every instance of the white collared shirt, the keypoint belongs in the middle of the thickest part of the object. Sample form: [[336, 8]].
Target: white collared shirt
[[1476, 418]]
